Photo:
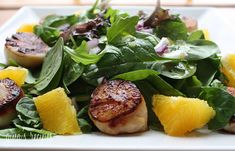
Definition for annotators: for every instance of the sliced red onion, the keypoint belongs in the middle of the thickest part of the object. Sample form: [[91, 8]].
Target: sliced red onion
[[162, 46], [139, 26], [93, 43]]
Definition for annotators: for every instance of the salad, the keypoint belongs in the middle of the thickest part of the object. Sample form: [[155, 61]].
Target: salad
[[104, 70]]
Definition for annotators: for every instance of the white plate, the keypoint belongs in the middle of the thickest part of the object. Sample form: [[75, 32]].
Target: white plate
[[208, 18]]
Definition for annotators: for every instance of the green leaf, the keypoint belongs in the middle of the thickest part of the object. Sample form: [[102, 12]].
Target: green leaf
[[51, 69], [48, 34], [192, 50], [84, 125], [136, 53], [196, 35], [222, 102], [121, 26], [22, 132], [163, 87], [84, 120], [27, 113], [34, 133], [113, 14], [147, 90], [13, 133], [72, 70], [57, 21], [206, 70], [136, 75], [174, 29], [92, 12], [81, 54]]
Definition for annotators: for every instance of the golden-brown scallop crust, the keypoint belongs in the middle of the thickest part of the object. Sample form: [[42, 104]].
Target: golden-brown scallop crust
[[117, 107], [10, 94], [113, 99]]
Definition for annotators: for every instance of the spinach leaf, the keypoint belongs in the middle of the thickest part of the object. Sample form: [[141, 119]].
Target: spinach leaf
[[3, 65], [192, 50], [57, 21], [121, 26], [152, 77], [81, 54], [172, 28], [51, 69], [196, 35], [32, 132], [222, 102], [48, 34], [177, 69], [84, 125], [92, 12], [113, 14], [136, 75], [206, 70], [136, 54], [72, 70], [147, 90], [18, 133], [162, 86], [218, 84], [84, 120], [27, 113], [12, 133]]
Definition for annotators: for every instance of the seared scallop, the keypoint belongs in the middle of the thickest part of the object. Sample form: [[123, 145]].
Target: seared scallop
[[26, 49], [10, 94], [118, 107]]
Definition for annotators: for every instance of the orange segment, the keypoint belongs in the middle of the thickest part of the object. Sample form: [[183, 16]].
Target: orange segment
[[228, 68], [26, 28], [16, 74], [57, 113], [180, 115]]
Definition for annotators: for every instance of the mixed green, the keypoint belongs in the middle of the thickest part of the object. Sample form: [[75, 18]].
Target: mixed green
[[105, 43]]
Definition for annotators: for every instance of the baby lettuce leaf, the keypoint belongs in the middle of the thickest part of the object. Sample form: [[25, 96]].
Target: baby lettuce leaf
[[81, 54], [136, 75], [27, 113], [222, 102], [172, 28], [12, 133], [48, 34], [18, 133], [211, 66], [162, 86], [192, 50], [176, 69], [196, 35], [136, 53], [114, 14], [152, 77], [147, 90], [72, 70], [57, 21], [84, 120], [121, 26], [32, 132], [51, 69]]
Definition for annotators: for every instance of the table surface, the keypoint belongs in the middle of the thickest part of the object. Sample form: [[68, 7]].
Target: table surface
[[9, 7]]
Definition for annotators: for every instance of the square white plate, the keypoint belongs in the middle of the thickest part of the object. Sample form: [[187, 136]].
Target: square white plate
[[208, 18]]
